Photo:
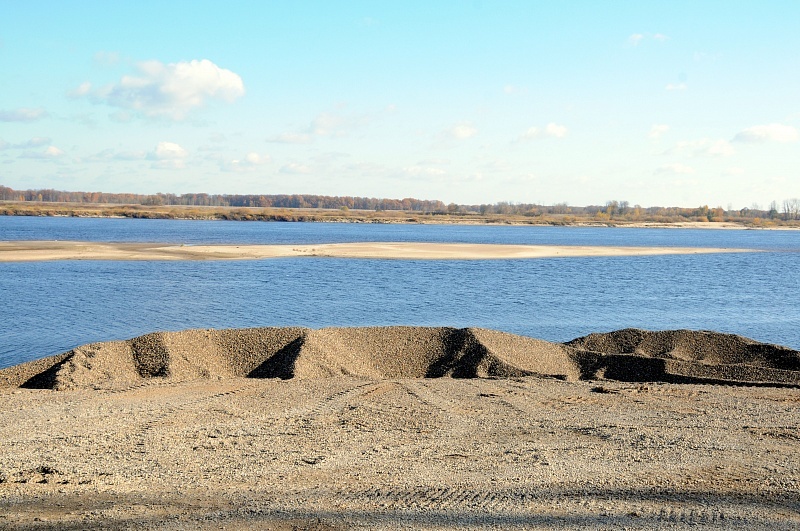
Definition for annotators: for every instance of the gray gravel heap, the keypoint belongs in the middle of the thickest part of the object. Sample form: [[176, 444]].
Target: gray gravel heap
[[679, 356]]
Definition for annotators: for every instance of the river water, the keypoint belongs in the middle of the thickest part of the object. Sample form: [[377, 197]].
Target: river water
[[50, 307]]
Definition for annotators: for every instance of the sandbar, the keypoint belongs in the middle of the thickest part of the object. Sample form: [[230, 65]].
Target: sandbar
[[33, 251]]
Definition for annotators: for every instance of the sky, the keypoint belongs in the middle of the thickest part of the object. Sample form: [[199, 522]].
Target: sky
[[658, 103]]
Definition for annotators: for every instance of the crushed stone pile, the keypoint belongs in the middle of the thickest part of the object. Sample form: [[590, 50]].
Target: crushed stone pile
[[679, 356], [685, 356]]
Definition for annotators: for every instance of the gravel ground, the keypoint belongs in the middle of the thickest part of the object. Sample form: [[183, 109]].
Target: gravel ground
[[197, 445], [339, 453]]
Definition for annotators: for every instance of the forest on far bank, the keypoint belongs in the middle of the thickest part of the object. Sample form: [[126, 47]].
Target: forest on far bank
[[274, 207]]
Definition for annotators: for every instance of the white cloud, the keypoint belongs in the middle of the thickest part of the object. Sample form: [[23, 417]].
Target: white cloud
[[552, 130], [705, 147], [23, 114], [635, 39], [719, 148], [81, 90], [768, 133], [247, 163], [657, 130], [168, 156], [168, 151], [462, 131], [674, 169], [676, 86], [172, 90], [50, 153], [295, 168], [556, 131], [4, 144], [256, 159], [514, 89], [660, 37], [327, 124], [53, 152]]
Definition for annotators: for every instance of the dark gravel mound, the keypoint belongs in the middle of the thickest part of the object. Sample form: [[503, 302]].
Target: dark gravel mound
[[685, 356]]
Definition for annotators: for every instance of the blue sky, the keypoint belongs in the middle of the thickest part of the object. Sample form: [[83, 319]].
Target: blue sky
[[657, 103]]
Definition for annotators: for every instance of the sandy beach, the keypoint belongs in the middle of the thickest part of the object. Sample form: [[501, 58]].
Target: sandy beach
[[403, 427], [26, 251]]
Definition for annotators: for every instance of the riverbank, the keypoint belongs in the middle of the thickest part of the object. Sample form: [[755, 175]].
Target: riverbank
[[314, 215]]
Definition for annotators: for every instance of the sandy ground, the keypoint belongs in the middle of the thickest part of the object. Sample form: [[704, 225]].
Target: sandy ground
[[23, 251], [342, 453]]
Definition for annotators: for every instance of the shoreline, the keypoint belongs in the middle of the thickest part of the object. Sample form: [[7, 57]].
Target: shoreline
[[35, 251], [400, 217]]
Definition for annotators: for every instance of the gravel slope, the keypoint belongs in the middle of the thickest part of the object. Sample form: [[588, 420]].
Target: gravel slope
[[679, 356]]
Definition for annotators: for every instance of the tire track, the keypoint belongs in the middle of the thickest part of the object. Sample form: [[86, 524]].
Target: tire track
[[458, 499], [169, 410], [336, 402]]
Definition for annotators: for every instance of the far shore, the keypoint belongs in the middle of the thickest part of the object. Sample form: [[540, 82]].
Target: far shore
[[34, 251], [340, 215]]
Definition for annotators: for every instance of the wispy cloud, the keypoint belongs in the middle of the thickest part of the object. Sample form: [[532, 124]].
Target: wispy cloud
[[169, 90], [23, 114], [767, 133], [635, 39], [657, 130], [418, 171], [249, 162], [704, 147], [514, 89], [34, 142], [676, 86], [51, 153], [325, 124], [674, 169], [294, 168], [106, 58], [291, 138], [551, 130], [80, 91], [130, 155], [109, 155], [462, 131]]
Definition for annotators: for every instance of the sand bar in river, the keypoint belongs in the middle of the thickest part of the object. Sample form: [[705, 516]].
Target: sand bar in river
[[28, 251]]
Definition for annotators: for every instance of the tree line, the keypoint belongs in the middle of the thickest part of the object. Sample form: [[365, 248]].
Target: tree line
[[224, 200], [624, 211], [787, 210]]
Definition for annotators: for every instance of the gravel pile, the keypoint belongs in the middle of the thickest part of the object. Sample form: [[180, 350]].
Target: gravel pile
[[685, 356], [680, 356]]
